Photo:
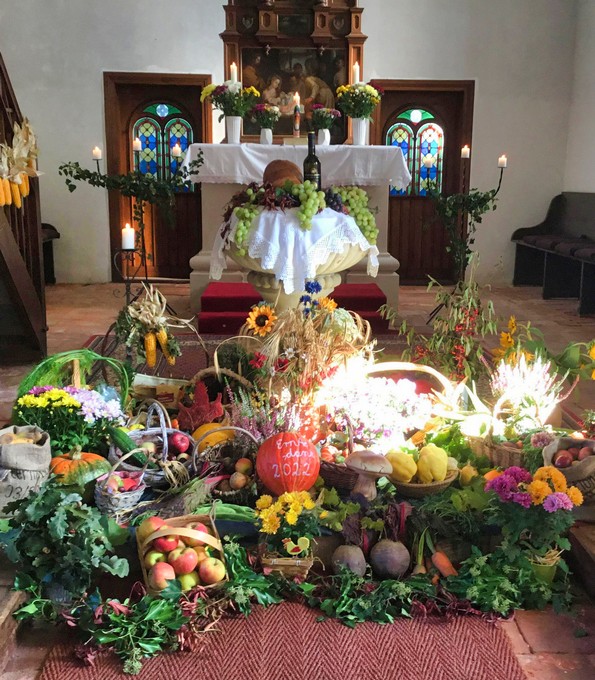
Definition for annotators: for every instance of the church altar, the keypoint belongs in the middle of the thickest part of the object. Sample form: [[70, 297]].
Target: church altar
[[227, 167]]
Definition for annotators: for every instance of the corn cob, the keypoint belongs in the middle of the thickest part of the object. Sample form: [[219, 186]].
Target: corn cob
[[2, 199], [24, 185], [16, 195], [162, 337], [7, 191], [151, 349]]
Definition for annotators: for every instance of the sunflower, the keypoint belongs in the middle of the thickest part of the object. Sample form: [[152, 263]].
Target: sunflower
[[575, 495], [539, 490], [261, 320], [326, 304], [512, 325], [506, 340]]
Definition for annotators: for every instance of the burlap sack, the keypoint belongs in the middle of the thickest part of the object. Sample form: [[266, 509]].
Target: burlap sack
[[25, 457]]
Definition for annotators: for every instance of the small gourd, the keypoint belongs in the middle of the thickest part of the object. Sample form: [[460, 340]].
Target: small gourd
[[78, 468]]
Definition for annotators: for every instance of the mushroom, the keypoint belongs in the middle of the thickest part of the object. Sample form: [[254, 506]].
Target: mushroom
[[370, 466]]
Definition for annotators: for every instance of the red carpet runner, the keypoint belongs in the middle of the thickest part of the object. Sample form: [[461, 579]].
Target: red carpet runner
[[285, 642]]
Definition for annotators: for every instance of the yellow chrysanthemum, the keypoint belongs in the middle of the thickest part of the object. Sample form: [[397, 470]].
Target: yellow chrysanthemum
[[291, 517], [309, 504], [575, 495], [327, 304], [550, 473], [512, 325], [206, 92], [539, 491], [261, 320], [251, 90], [271, 525], [264, 502]]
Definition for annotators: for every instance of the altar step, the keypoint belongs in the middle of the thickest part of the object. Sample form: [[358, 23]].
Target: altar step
[[225, 306]]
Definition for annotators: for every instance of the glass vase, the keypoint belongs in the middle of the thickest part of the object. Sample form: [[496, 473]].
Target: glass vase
[[266, 136], [324, 137], [359, 128], [233, 126]]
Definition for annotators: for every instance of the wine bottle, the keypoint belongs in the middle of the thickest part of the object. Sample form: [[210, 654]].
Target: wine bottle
[[312, 164]]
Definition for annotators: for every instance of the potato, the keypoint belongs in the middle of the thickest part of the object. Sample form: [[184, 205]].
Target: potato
[[585, 452], [563, 459], [573, 450]]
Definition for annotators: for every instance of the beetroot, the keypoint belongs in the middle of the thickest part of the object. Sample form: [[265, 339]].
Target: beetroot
[[350, 556], [389, 559]]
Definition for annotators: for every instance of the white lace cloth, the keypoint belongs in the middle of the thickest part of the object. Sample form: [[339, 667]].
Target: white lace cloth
[[292, 253], [341, 164]]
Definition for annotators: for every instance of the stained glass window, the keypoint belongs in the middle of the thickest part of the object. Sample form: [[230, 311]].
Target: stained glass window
[[177, 131], [420, 138], [148, 160], [162, 110]]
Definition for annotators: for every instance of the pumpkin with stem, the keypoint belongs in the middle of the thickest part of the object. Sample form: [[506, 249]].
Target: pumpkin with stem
[[78, 468]]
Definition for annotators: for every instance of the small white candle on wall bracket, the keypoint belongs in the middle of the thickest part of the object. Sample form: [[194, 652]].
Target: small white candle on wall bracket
[[502, 161], [355, 73], [466, 152], [428, 161], [97, 154], [136, 145], [128, 238], [176, 151]]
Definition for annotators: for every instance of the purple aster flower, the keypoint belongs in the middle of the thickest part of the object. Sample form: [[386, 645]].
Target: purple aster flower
[[312, 287], [519, 474], [522, 498], [557, 501], [35, 391], [540, 440]]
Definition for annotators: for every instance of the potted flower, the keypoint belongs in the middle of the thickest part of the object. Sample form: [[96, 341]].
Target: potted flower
[[234, 101], [358, 101], [288, 525], [265, 116], [322, 120], [535, 513]]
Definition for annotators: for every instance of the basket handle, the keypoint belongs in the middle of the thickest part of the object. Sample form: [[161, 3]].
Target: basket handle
[[410, 366], [217, 371], [122, 459], [157, 409], [195, 453], [183, 531]]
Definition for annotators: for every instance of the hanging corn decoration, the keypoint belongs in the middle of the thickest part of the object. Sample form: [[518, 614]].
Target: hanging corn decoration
[[24, 185], [16, 195], [151, 349], [162, 338], [7, 191]]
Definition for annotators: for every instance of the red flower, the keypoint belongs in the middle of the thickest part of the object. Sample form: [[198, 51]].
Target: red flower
[[258, 360], [281, 365]]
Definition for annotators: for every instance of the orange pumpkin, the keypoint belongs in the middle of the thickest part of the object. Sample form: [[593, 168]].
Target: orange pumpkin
[[78, 468], [286, 462], [278, 172]]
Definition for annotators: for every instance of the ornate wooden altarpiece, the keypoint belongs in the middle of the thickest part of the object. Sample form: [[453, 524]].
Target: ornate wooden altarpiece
[[288, 46]]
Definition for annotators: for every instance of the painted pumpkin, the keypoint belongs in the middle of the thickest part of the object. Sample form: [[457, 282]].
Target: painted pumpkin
[[286, 462], [278, 172], [78, 468]]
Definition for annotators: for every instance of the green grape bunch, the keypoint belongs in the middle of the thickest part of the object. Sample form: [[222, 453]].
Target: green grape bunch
[[355, 199]]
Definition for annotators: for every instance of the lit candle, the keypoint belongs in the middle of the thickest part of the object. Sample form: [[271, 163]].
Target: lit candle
[[128, 238], [233, 70], [97, 155], [356, 72], [136, 145], [428, 161], [176, 151], [465, 152], [296, 99], [502, 161]]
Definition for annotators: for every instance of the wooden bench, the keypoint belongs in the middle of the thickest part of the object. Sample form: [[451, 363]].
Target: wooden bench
[[559, 253]]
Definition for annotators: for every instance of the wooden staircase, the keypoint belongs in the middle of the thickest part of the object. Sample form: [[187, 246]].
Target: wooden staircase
[[22, 296]]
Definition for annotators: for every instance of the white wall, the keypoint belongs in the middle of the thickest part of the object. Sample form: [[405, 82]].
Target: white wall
[[519, 53], [580, 157]]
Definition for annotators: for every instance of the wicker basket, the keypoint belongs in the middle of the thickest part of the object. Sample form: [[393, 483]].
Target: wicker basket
[[338, 476], [180, 524], [289, 567], [113, 503], [412, 490], [499, 455], [581, 474]]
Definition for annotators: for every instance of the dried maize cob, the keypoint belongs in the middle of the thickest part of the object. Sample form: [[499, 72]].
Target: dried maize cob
[[7, 191], [24, 185], [16, 195], [151, 349], [162, 338], [2, 199]]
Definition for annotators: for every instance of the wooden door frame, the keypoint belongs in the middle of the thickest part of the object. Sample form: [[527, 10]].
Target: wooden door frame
[[111, 81]]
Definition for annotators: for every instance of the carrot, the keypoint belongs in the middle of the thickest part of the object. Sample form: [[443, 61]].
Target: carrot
[[440, 560]]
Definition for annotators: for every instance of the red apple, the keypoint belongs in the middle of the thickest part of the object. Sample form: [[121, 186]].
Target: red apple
[[179, 442], [149, 526], [152, 557], [197, 526], [238, 481], [243, 465], [160, 574], [211, 571], [166, 543], [562, 459], [183, 560], [189, 581], [573, 451], [585, 452]]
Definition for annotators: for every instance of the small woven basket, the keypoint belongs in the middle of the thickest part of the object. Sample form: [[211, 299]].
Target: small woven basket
[[499, 455], [289, 567], [338, 476], [113, 503], [412, 490]]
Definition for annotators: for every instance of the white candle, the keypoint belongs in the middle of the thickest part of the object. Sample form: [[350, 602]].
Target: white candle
[[128, 238], [176, 151], [355, 73], [465, 152], [428, 161], [136, 145], [502, 161], [296, 99], [97, 155], [233, 71]]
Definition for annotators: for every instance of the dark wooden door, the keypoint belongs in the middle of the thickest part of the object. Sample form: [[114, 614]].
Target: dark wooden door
[[164, 104], [415, 237]]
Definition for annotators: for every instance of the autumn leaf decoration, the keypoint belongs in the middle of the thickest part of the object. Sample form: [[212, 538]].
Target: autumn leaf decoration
[[201, 411]]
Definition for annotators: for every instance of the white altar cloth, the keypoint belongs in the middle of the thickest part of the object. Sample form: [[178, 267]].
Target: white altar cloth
[[341, 164], [293, 253]]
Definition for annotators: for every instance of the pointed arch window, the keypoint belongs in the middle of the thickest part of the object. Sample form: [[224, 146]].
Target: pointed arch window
[[419, 136]]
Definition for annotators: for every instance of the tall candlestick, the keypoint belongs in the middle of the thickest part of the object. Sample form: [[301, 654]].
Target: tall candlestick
[[128, 238], [233, 72], [355, 73], [465, 152], [97, 154], [176, 151], [502, 161], [136, 145]]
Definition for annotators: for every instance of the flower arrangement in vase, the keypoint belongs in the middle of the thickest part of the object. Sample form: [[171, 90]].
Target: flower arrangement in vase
[[358, 101], [322, 120], [265, 116], [231, 98]]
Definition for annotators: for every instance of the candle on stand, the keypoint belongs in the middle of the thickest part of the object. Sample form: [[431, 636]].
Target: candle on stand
[[355, 73], [128, 238], [465, 152], [502, 161], [176, 151], [136, 145], [233, 72], [428, 161], [97, 154], [296, 115]]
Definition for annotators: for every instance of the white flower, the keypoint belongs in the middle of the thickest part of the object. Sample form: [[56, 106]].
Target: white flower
[[234, 88]]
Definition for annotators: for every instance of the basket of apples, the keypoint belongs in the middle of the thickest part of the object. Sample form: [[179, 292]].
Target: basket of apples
[[575, 457], [119, 490], [186, 549]]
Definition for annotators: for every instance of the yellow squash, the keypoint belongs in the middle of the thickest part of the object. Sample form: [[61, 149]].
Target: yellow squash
[[404, 467], [432, 464]]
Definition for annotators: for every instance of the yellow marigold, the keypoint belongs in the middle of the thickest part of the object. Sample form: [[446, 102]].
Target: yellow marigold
[[291, 517], [327, 304], [271, 525], [539, 491], [264, 502], [512, 325], [261, 320], [575, 495]]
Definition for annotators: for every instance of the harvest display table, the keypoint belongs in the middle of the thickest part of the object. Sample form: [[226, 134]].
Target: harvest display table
[[229, 166]]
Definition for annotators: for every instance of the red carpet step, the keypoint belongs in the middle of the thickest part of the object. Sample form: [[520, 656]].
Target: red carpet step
[[225, 305]]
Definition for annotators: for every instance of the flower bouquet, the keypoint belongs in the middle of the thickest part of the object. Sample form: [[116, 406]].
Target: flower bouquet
[[265, 115], [358, 100], [322, 117], [231, 98]]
